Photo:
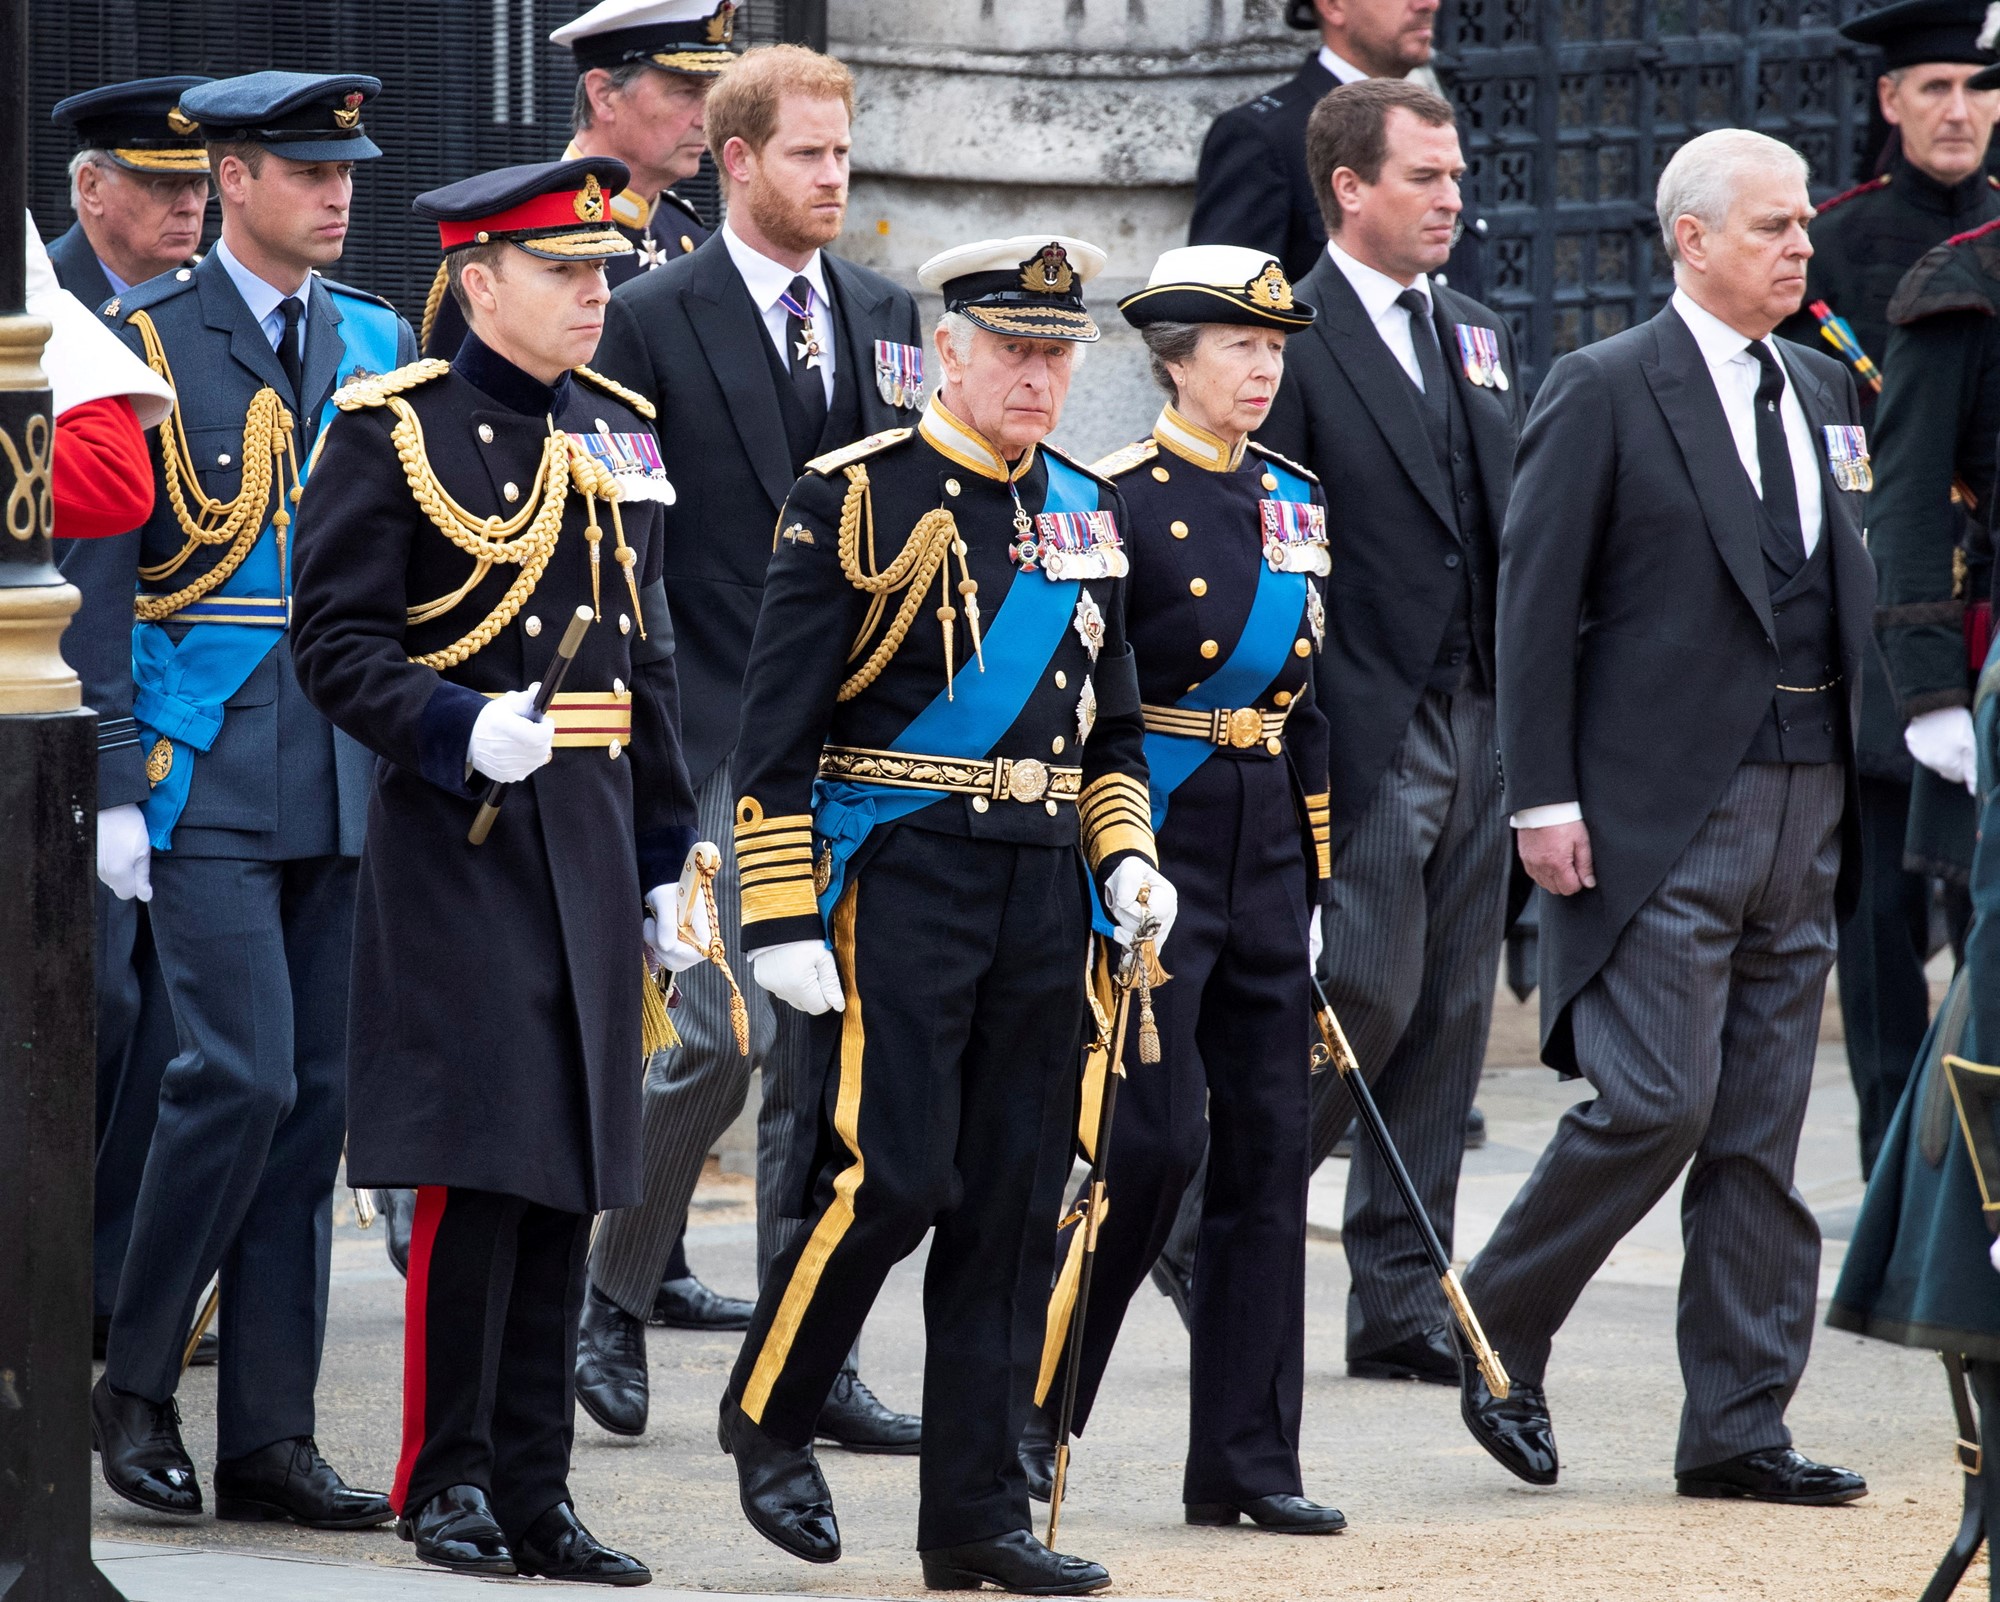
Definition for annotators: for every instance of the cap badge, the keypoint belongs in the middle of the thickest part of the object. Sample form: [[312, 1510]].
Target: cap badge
[[1048, 272], [1272, 290], [348, 113], [590, 200], [722, 26], [178, 121], [1989, 29]]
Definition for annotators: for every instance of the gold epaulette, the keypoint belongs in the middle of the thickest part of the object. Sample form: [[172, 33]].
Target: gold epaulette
[[833, 461], [1127, 457], [1285, 462], [376, 389], [611, 386]]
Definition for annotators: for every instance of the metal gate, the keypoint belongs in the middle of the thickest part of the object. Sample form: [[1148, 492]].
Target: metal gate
[[1571, 108]]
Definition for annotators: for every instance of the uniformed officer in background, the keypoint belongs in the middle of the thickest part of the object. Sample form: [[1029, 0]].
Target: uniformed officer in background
[[1933, 184], [939, 754], [433, 589], [253, 816]]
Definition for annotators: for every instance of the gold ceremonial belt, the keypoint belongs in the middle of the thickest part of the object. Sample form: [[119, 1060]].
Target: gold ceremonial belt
[[1007, 779], [1242, 727], [597, 719]]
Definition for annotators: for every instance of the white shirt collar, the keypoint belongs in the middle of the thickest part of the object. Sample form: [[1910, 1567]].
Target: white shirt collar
[[1378, 291], [1718, 341], [261, 297], [1343, 70], [767, 280]]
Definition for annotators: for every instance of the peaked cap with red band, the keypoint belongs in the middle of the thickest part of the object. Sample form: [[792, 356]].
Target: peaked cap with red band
[[559, 210]]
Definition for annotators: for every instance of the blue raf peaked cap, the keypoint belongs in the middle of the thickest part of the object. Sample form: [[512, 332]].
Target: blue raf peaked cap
[[302, 116]]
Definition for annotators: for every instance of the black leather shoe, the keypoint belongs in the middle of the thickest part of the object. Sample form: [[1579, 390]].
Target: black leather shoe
[[1475, 1130], [783, 1493], [399, 1216], [611, 1365], [557, 1547], [1516, 1433], [686, 1303], [139, 1444], [1176, 1284], [1288, 1515], [1775, 1474], [1014, 1562], [1038, 1454], [854, 1420], [456, 1530], [288, 1482], [1430, 1356]]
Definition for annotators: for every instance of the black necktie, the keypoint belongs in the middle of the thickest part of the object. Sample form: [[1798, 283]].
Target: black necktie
[[288, 348], [1774, 456], [805, 339], [1430, 360]]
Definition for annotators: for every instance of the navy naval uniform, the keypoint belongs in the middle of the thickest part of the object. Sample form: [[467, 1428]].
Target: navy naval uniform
[[1226, 625], [255, 810], [897, 818]]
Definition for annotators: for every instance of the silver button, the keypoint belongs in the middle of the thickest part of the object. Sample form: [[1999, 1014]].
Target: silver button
[[533, 626], [617, 686], [602, 426], [1062, 679], [222, 459], [624, 623], [183, 275], [1056, 745], [510, 492], [613, 749], [951, 486], [1049, 807], [980, 803], [486, 433]]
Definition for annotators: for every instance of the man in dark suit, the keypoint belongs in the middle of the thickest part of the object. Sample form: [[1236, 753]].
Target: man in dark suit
[[1684, 606], [1252, 186], [1401, 397], [761, 351]]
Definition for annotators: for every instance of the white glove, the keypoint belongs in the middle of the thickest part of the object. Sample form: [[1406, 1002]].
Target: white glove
[[1993, 1254], [506, 743], [1316, 938], [1121, 899], [124, 853], [662, 929], [1943, 742], [801, 972]]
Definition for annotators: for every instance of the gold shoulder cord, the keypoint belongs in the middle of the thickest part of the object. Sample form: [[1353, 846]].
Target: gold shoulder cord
[[237, 523], [924, 556]]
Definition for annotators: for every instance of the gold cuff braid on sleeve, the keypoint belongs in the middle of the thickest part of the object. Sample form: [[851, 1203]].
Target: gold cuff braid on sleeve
[[1117, 815], [774, 864], [1318, 810]]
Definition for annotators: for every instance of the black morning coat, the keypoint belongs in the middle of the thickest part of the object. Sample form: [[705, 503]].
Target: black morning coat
[[689, 338], [1637, 653], [1349, 412], [494, 1035]]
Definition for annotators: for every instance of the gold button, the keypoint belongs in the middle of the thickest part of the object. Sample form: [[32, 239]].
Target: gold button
[[510, 492], [951, 486], [625, 624], [1302, 648], [1209, 648], [1283, 698], [1178, 529], [615, 747], [1049, 807], [687, 243], [1274, 745], [980, 803], [1160, 473], [1269, 481], [617, 687], [1198, 586], [532, 627], [1056, 745], [486, 433], [1062, 679], [222, 459]]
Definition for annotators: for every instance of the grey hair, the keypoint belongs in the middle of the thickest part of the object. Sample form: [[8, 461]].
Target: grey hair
[[77, 162], [1170, 342], [1700, 181], [958, 330], [622, 78]]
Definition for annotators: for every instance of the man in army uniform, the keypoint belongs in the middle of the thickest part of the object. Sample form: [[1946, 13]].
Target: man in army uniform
[[1933, 185], [940, 752], [433, 586], [253, 815]]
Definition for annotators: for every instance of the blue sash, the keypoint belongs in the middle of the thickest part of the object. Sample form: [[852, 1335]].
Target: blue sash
[[1017, 644], [179, 689], [1260, 651]]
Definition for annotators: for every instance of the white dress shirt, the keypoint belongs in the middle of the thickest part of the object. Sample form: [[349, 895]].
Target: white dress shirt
[[1343, 70], [1378, 292], [1734, 372], [264, 298], [769, 282]]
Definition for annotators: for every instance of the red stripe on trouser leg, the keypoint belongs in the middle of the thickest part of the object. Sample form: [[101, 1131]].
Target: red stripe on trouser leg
[[416, 1300]]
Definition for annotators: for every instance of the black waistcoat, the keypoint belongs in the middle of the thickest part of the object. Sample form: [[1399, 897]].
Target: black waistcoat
[[1804, 723], [843, 412], [1458, 663]]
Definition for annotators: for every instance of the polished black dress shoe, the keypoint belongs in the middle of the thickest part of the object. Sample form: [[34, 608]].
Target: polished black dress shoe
[[1014, 1562], [1430, 1356], [557, 1547], [1475, 1130], [289, 1482], [686, 1303], [456, 1530], [1775, 1474], [611, 1365], [783, 1493], [1287, 1514], [854, 1420], [1038, 1454], [399, 1216], [139, 1445], [1516, 1433]]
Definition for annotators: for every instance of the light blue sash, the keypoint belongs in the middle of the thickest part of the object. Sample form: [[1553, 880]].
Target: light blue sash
[[1255, 661], [179, 689], [1018, 643]]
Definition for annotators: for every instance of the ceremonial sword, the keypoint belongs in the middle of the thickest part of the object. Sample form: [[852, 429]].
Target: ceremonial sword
[[566, 649]]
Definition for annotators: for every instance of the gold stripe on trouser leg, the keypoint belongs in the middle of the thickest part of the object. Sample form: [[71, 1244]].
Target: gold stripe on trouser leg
[[839, 1214]]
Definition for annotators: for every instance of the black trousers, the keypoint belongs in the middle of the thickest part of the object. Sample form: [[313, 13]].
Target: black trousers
[[948, 1109], [1235, 1032], [489, 1351]]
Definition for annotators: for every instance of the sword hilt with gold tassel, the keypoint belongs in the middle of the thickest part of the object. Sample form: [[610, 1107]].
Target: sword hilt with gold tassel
[[698, 878]]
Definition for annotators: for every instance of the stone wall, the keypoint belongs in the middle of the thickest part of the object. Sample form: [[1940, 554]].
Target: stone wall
[[978, 118]]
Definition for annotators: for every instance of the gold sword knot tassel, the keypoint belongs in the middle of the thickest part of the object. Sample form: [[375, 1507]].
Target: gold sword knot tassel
[[707, 862]]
